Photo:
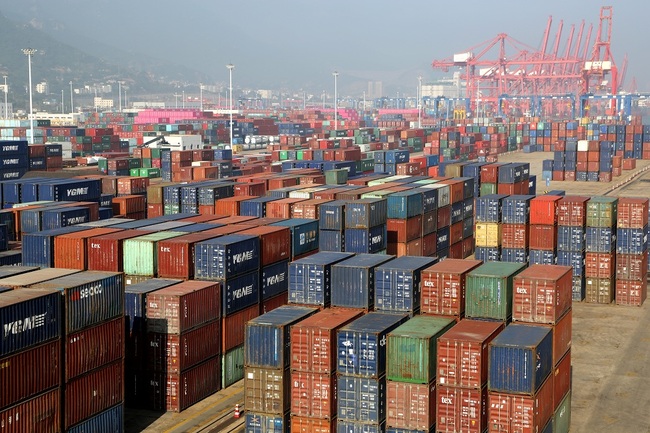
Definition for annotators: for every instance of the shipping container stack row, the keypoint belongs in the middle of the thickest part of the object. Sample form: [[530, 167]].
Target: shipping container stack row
[[631, 251], [187, 165], [64, 370]]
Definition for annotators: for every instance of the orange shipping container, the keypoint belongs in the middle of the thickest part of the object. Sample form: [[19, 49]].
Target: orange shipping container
[[71, 250]]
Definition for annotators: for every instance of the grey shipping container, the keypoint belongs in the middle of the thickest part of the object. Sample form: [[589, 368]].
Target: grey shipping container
[[310, 278], [361, 399], [353, 281], [366, 213], [226, 256], [397, 284]]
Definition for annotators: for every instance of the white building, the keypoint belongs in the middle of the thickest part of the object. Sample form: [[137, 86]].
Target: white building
[[42, 88], [102, 103]]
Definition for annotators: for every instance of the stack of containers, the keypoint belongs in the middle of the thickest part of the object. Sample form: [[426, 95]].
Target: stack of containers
[[542, 297], [632, 251], [515, 228], [600, 247], [462, 376], [267, 359], [353, 281], [313, 370], [183, 344], [93, 315], [571, 230], [404, 223], [411, 373], [488, 294], [331, 236], [398, 284], [430, 220], [520, 386], [35, 391], [488, 217], [310, 280], [443, 287], [442, 220], [543, 229], [361, 372], [461, 217], [304, 236], [15, 159], [365, 226]]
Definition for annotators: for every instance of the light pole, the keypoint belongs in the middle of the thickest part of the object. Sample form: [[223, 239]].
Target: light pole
[[71, 99], [6, 113], [230, 67], [419, 99], [29, 52], [364, 102], [201, 90], [336, 103], [62, 103], [183, 100], [323, 97], [176, 95], [119, 94]]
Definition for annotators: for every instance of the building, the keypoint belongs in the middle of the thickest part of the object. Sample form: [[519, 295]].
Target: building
[[100, 102]]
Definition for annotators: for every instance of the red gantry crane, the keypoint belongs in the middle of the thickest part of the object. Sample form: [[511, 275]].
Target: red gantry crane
[[505, 66]]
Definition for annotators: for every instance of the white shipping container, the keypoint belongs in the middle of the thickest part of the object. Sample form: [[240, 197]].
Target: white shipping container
[[583, 145]]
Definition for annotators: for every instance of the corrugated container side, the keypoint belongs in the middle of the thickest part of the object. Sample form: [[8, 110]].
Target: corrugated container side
[[227, 256], [109, 421], [365, 213], [40, 414], [30, 372], [561, 377], [232, 327], [141, 253], [443, 287], [461, 409], [71, 250], [93, 347], [267, 390], [463, 353], [275, 243], [268, 338], [240, 292], [93, 393], [29, 318], [232, 366], [310, 280], [301, 424], [562, 416], [354, 390], [176, 255], [520, 359], [353, 280], [263, 423], [397, 283], [542, 293], [183, 306], [411, 406], [313, 394], [105, 253], [358, 427], [274, 279]]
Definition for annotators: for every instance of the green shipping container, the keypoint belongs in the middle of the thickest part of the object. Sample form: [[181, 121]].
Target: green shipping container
[[135, 163], [232, 366], [102, 165], [487, 188], [488, 293], [146, 163], [562, 416], [367, 164], [411, 349], [134, 172], [602, 212], [336, 177], [149, 172], [141, 253], [284, 155], [156, 153]]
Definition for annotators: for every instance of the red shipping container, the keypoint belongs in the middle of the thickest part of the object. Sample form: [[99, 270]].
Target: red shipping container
[[430, 222], [561, 380], [232, 327], [543, 209], [490, 173], [572, 211], [443, 287], [404, 230], [456, 251], [313, 340], [542, 237], [275, 243], [156, 210], [176, 392], [94, 392], [411, 405], [605, 176], [176, 255], [461, 410], [513, 413], [229, 206], [632, 212], [444, 216], [514, 236], [301, 424], [429, 245], [71, 250], [255, 189], [235, 219], [629, 164], [308, 208], [313, 395], [633, 267], [411, 248], [132, 185], [39, 415], [462, 353], [468, 246], [105, 252], [183, 306], [456, 232], [281, 208], [274, 302], [127, 204], [562, 335], [173, 353], [30, 372], [542, 293], [631, 292], [600, 265], [93, 347]]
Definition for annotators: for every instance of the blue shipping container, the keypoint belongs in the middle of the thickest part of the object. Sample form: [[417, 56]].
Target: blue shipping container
[[487, 254], [109, 421], [600, 239], [38, 247], [520, 359], [343, 426], [361, 399], [361, 345], [571, 238], [366, 213], [274, 279], [514, 255], [541, 257], [227, 256], [239, 292], [263, 423], [331, 240], [73, 189], [353, 281], [304, 234], [372, 240], [64, 217], [631, 241], [405, 204], [516, 209], [332, 215], [397, 284], [310, 278], [267, 340]]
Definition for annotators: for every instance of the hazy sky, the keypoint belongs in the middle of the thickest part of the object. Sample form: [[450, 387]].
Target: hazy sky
[[298, 43]]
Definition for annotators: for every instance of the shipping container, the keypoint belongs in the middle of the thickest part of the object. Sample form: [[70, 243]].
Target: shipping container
[[412, 347], [410, 405], [353, 281], [562, 416], [240, 292], [177, 352], [359, 344], [313, 340], [109, 421], [443, 287], [343, 426], [562, 335], [106, 252], [304, 235], [310, 278], [38, 247], [275, 243], [489, 208], [572, 211], [312, 394], [93, 347], [489, 290], [602, 211], [232, 366], [176, 258], [543, 209], [516, 209], [461, 410], [463, 353], [274, 280], [398, 284], [90, 298], [268, 338], [405, 204], [600, 290], [9, 271], [361, 399], [366, 241], [542, 293], [632, 213], [226, 256], [183, 306], [365, 213], [301, 424], [267, 390], [141, 253], [520, 359], [71, 250], [265, 423], [41, 414], [332, 215]]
